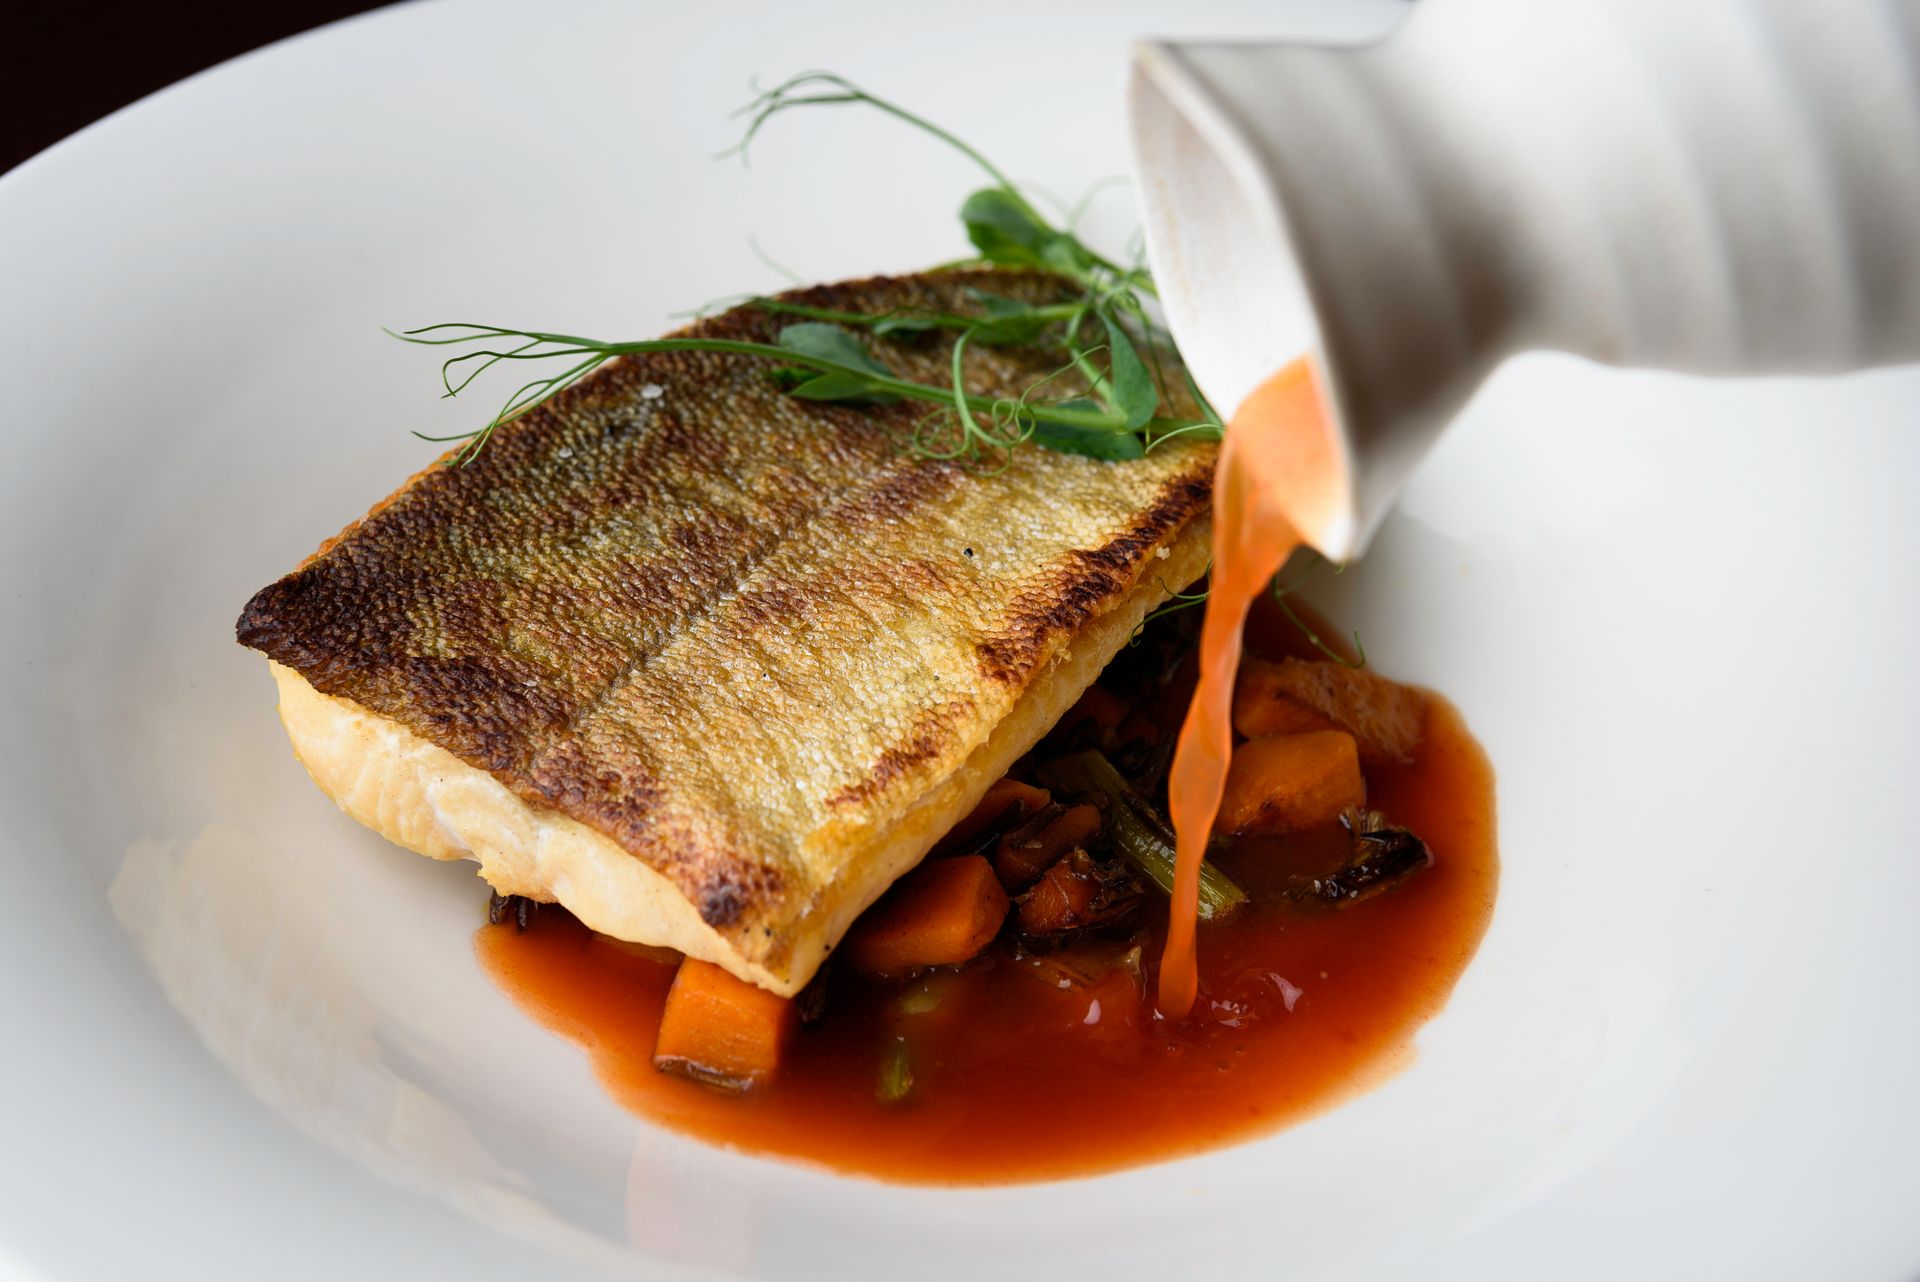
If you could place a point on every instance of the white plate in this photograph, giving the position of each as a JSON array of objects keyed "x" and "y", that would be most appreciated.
[{"x": 245, "y": 1039}]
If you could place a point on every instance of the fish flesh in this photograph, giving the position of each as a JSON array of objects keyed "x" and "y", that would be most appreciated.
[{"x": 711, "y": 665}]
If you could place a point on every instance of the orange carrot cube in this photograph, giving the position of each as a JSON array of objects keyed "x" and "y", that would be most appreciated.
[
  {"x": 721, "y": 1030},
  {"x": 940, "y": 914},
  {"x": 1005, "y": 801},
  {"x": 1386, "y": 719},
  {"x": 1288, "y": 782}
]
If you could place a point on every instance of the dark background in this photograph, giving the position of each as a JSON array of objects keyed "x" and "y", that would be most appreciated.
[{"x": 66, "y": 63}]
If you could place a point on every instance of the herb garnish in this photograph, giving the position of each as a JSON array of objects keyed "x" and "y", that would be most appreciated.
[
  {"x": 821, "y": 357},
  {"x": 1281, "y": 591}
]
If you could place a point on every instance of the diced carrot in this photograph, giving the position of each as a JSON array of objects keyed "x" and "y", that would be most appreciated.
[
  {"x": 1386, "y": 719},
  {"x": 940, "y": 914},
  {"x": 721, "y": 1030},
  {"x": 1059, "y": 901},
  {"x": 1075, "y": 893},
  {"x": 1005, "y": 801},
  {"x": 1261, "y": 705},
  {"x": 1285, "y": 782},
  {"x": 1029, "y": 850}
]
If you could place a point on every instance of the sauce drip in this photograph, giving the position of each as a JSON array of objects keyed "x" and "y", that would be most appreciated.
[{"x": 1277, "y": 472}]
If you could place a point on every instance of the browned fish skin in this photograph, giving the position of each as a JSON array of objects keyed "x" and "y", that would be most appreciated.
[{"x": 701, "y": 616}]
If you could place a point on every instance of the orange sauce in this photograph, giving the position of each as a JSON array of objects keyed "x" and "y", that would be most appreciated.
[
  {"x": 1016, "y": 1078},
  {"x": 1277, "y": 473},
  {"x": 1027, "y": 1068}
]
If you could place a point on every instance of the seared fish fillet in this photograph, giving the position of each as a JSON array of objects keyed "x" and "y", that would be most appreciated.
[{"x": 710, "y": 665}]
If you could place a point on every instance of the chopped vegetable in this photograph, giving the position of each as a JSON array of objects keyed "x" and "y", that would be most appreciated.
[
  {"x": 1288, "y": 782},
  {"x": 940, "y": 914},
  {"x": 1383, "y": 857},
  {"x": 1033, "y": 847},
  {"x": 517, "y": 907},
  {"x": 896, "y": 1074},
  {"x": 1386, "y": 719},
  {"x": 1062, "y": 900},
  {"x": 1149, "y": 847},
  {"x": 1261, "y": 706},
  {"x": 720, "y": 1030},
  {"x": 1005, "y": 801},
  {"x": 1077, "y": 893},
  {"x": 1138, "y": 832},
  {"x": 922, "y": 999}
]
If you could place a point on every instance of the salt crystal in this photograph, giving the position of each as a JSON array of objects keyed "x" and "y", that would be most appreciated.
[{"x": 652, "y": 392}]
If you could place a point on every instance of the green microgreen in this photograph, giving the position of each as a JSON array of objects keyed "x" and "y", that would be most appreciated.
[
  {"x": 1133, "y": 390},
  {"x": 1282, "y": 591},
  {"x": 854, "y": 372},
  {"x": 1118, "y": 415},
  {"x": 1176, "y": 602},
  {"x": 864, "y": 378},
  {"x": 773, "y": 264}
]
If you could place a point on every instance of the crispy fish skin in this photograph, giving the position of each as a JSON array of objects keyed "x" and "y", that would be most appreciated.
[{"x": 747, "y": 640}]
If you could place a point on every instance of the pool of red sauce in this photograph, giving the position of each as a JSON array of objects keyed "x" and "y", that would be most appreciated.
[{"x": 1016, "y": 1078}]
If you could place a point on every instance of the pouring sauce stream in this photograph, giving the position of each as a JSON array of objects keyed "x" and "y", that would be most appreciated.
[{"x": 1278, "y": 472}]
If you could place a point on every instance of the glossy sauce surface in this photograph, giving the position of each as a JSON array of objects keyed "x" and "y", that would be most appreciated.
[{"x": 1031, "y": 1068}]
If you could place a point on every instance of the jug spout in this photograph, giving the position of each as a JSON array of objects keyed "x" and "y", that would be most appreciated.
[
  {"x": 1722, "y": 186},
  {"x": 1278, "y": 222}
]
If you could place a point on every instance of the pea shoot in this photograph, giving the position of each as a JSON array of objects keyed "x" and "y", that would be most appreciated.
[{"x": 1100, "y": 333}]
